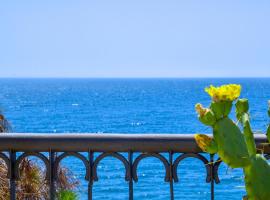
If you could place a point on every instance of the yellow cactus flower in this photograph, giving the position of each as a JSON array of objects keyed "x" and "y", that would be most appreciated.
[{"x": 228, "y": 92}]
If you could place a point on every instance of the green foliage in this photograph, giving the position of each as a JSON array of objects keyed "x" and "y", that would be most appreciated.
[
  {"x": 232, "y": 147},
  {"x": 257, "y": 178},
  {"x": 235, "y": 147},
  {"x": 66, "y": 195},
  {"x": 208, "y": 118},
  {"x": 221, "y": 109},
  {"x": 241, "y": 108}
]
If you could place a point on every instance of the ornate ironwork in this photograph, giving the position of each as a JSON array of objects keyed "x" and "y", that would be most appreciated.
[
  {"x": 115, "y": 155},
  {"x": 58, "y": 159},
  {"x": 192, "y": 155},
  {"x": 16, "y": 147},
  {"x": 155, "y": 155}
]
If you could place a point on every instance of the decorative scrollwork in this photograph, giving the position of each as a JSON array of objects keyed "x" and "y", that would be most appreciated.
[
  {"x": 7, "y": 162},
  {"x": 191, "y": 155},
  {"x": 115, "y": 155},
  {"x": 73, "y": 154},
  {"x": 146, "y": 155},
  {"x": 35, "y": 154}
]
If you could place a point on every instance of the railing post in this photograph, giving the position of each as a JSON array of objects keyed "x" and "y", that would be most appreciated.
[
  {"x": 52, "y": 178},
  {"x": 212, "y": 176},
  {"x": 12, "y": 179},
  {"x": 171, "y": 175},
  {"x": 90, "y": 183},
  {"x": 130, "y": 159}
]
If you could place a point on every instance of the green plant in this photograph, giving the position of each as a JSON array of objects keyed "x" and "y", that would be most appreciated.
[
  {"x": 32, "y": 184},
  {"x": 235, "y": 147},
  {"x": 66, "y": 195}
]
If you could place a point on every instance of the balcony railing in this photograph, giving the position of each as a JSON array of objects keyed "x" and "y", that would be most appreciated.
[{"x": 15, "y": 147}]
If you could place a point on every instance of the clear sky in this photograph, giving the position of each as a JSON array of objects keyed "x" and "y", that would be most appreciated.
[{"x": 135, "y": 38}]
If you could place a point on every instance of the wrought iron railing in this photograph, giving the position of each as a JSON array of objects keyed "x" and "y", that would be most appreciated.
[{"x": 15, "y": 147}]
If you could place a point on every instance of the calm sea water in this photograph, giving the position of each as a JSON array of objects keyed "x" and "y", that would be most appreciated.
[{"x": 129, "y": 106}]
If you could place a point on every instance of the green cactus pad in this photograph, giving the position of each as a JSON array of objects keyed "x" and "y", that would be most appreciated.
[
  {"x": 257, "y": 178},
  {"x": 221, "y": 109},
  {"x": 232, "y": 147}
]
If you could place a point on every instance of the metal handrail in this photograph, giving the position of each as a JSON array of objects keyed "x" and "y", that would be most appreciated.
[{"x": 183, "y": 143}]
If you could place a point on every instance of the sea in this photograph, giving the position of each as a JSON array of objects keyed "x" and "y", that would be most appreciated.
[{"x": 122, "y": 105}]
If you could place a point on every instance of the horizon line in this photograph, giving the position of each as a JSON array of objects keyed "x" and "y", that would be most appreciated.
[{"x": 191, "y": 77}]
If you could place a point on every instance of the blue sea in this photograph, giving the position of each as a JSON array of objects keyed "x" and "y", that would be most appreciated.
[{"x": 130, "y": 106}]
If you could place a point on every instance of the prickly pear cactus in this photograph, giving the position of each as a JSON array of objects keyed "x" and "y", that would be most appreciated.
[{"x": 234, "y": 145}]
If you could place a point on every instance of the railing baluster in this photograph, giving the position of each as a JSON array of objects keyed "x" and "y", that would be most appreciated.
[
  {"x": 52, "y": 178},
  {"x": 212, "y": 176},
  {"x": 171, "y": 175},
  {"x": 12, "y": 180},
  {"x": 90, "y": 183},
  {"x": 130, "y": 159}
]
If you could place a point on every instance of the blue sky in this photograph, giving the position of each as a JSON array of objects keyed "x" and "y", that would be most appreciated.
[{"x": 140, "y": 38}]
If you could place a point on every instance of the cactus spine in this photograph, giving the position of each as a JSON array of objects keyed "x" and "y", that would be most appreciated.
[{"x": 235, "y": 147}]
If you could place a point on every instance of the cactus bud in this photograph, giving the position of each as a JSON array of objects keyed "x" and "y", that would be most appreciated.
[
  {"x": 242, "y": 106},
  {"x": 206, "y": 116}
]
